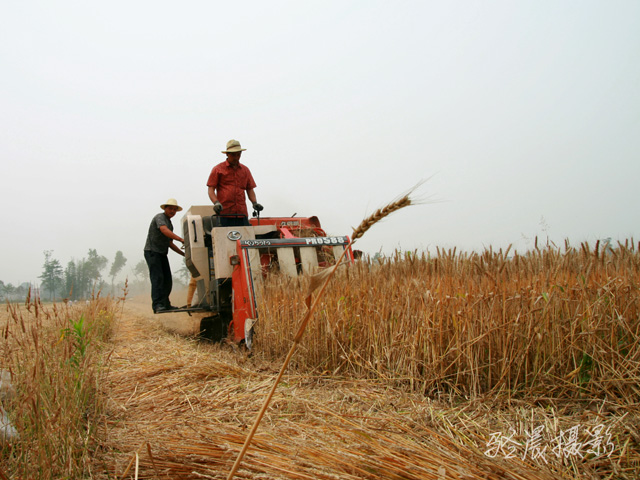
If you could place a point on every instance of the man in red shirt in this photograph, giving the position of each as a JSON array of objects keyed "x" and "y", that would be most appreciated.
[{"x": 228, "y": 183}]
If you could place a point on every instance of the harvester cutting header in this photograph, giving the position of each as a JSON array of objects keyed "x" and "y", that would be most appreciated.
[{"x": 228, "y": 263}]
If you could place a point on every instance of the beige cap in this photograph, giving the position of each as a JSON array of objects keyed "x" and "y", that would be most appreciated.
[
  {"x": 171, "y": 202},
  {"x": 233, "y": 146}
]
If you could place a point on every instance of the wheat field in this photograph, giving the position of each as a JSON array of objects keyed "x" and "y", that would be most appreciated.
[
  {"x": 440, "y": 366},
  {"x": 550, "y": 323}
]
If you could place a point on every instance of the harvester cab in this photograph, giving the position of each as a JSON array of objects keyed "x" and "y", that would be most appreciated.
[{"x": 228, "y": 264}]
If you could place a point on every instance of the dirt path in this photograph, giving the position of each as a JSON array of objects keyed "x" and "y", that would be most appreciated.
[{"x": 185, "y": 407}]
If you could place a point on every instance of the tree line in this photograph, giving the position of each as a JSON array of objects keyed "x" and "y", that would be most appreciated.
[
  {"x": 80, "y": 278},
  {"x": 75, "y": 281},
  {"x": 9, "y": 290}
]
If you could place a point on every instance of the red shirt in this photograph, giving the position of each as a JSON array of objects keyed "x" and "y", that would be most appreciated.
[{"x": 230, "y": 184}]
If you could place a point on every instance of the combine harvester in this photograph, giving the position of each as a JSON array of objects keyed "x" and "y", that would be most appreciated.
[{"x": 229, "y": 262}]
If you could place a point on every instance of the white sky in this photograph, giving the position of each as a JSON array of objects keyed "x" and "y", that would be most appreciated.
[{"x": 524, "y": 115}]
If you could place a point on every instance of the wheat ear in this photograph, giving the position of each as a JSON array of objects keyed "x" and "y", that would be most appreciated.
[{"x": 378, "y": 215}]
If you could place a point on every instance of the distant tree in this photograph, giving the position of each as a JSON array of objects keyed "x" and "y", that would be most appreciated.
[
  {"x": 184, "y": 274},
  {"x": 82, "y": 275},
  {"x": 78, "y": 279},
  {"x": 22, "y": 289},
  {"x": 141, "y": 270},
  {"x": 118, "y": 262},
  {"x": 95, "y": 264},
  {"x": 71, "y": 280},
  {"x": 9, "y": 290},
  {"x": 52, "y": 274}
]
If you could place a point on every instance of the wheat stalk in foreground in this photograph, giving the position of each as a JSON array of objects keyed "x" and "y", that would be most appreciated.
[{"x": 358, "y": 232}]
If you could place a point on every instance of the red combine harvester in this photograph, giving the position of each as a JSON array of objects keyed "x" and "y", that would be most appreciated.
[{"x": 229, "y": 262}]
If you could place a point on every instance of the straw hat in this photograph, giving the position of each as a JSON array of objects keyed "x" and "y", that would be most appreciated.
[
  {"x": 233, "y": 146},
  {"x": 171, "y": 202}
]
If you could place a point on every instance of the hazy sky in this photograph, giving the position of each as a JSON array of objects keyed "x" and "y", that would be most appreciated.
[{"x": 524, "y": 115}]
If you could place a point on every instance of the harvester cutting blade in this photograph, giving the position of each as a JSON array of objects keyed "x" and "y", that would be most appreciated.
[{"x": 248, "y": 332}]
